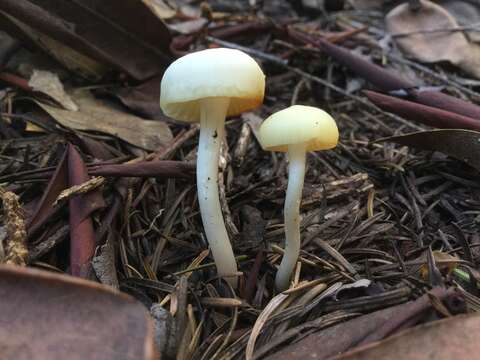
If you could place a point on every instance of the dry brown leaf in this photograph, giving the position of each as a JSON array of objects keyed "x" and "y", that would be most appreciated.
[
  {"x": 453, "y": 338},
  {"x": 467, "y": 14},
  {"x": 125, "y": 34},
  {"x": 426, "y": 35},
  {"x": 52, "y": 316},
  {"x": 98, "y": 115},
  {"x": 160, "y": 9},
  {"x": 48, "y": 83},
  {"x": 68, "y": 57},
  {"x": 463, "y": 145}
]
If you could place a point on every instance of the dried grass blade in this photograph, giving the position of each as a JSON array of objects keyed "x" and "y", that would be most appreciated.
[{"x": 261, "y": 320}]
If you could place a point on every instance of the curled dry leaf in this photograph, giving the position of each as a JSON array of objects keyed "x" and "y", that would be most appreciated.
[
  {"x": 52, "y": 316},
  {"x": 427, "y": 35},
  {"x": 453, "y": 338},
  {"x": 460, "y": 144},
  {"x": 98, "y": 115}
]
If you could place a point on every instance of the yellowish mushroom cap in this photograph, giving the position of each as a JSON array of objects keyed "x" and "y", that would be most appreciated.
[
  {"x": 211, "y": 73},
  {"x": 299, "y": 124}
]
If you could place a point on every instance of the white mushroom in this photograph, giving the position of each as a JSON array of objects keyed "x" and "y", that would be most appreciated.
[
  {"x": 206, "y": 87},
  {"x": 296, "y": 130}
]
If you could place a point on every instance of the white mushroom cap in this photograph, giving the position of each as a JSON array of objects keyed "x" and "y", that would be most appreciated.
[
  {"x": 299, "y": 124},
  {"x": 211, "y": 73}
]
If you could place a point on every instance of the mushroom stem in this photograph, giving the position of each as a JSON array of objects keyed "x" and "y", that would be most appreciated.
[
  {"x": 296, "y": 176},
  {"x": 212, "y": 128}
]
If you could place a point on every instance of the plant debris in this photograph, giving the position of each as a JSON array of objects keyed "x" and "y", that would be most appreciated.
[{"x": 98, "y": 183}]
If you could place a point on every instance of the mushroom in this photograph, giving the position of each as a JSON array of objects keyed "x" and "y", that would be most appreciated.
[
  {"x": 206, "y": 87},
  {"x": 296, "y": 130}
]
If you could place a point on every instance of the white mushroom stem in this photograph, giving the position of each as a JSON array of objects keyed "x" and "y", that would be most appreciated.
[
  {"x": 296, "y": 175},
  {"x": 212, "y": 128}
]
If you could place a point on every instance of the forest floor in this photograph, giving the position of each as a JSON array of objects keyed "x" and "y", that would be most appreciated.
[{"x": 390, "y": 228}]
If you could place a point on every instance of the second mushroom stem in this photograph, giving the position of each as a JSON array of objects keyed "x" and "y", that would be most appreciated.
[
  {"x": 212, "y": 128},
  {"x": 296, "y": 176}
]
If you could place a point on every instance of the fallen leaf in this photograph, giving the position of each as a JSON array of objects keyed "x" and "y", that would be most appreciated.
[
  {"x": 73, "y": 60},
  {"x": 425, "y": 34},
  {"x": 160, "y": 9},
  {"x": 161, "y": 168},
  {"x": 424, "y": 114},
  {"x": 98, "y": 115},
  {"x": 49, "y": 84},
  {"x": 453, "y": 338},
  {"x": 52, "y": 316},
  {"x": 143, "y": 99},
  {"x": 467, "y": 14},
  {"x": 81, "y": 207},
  {"x": 382, "y": 78},
  {"x": 387, "y": 80},
  {"x": 44, "y": 208},
  {"x": 364, "y": 329},
  {"x": 460, "y": 144},
  {"x": 130, "y": 38}
]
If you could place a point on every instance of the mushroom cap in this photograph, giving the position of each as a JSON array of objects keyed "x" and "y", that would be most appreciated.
[
  {"x": 299, "y": 124},
  {"x": 208, "y": 73}
]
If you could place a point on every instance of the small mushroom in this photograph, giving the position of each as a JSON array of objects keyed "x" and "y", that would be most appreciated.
[
  {"x": 296, "y": 130},
  {"x": 206, "y": 87}
]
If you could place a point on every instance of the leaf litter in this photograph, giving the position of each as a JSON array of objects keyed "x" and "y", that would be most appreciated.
[{"x": 389, "y": 228}]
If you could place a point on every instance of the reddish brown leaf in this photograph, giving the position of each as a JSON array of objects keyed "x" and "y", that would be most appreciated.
[
  {"x": 82, "y": 234},
  {"x": 52, "y": 316},
  {"x": 446, "y": 102},
  {"x": 45, "y": 208},
  {"x": 453, "y": 338},
  {"x": 460, "y": 144},
  {"x": 424, "y": 114},
  {"x": 363, "y": 330},
  {"x": 378, "y": 76},
  {"x": 386, "y": 80},
  {"x": 164, "y": 168}
]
